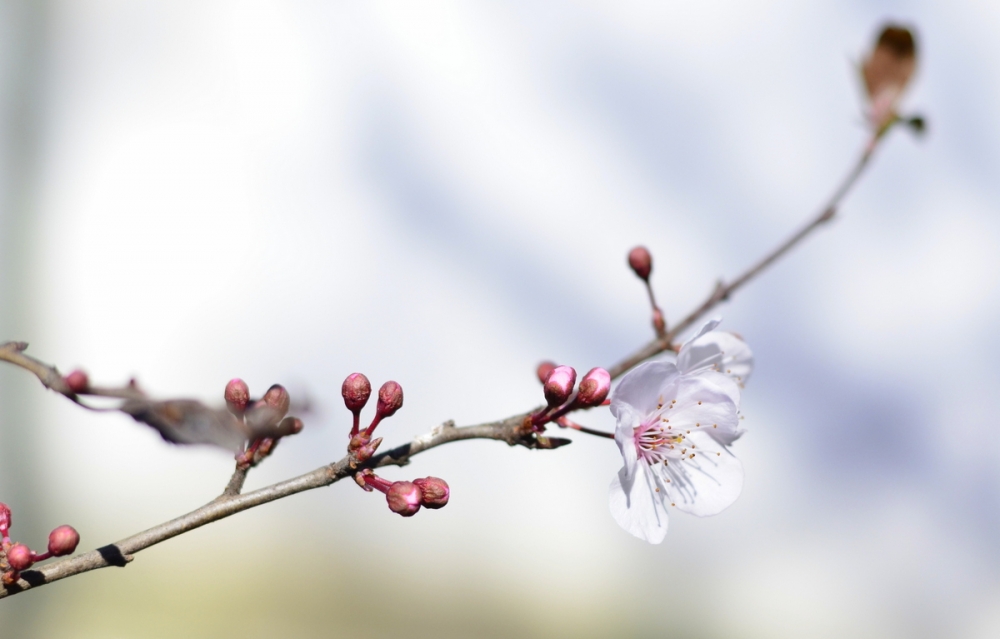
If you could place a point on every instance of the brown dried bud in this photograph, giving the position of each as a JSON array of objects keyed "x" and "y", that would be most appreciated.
[
  {"x": 237, "y": 396},
  {"x": 20, "y": 557},
  {"x": 77, "y": 381},
  {"x": 404, "y": 498},
  {"x": 356, "y": 391},
  {"x": 641, "y": 262},
  {"x": 544, "y": 369},
  {"x": 887, "y": 71},
  {"x": 434, "y": 492},
  {"x": 390, "y": 399},
  {"x": 63, "y": 541}
]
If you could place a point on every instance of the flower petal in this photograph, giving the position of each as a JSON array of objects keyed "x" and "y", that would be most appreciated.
[
  {"x": 705, "y": 483},
  {"x": 642, "y": 387},
  {"x": 704, "y": 407},
  {"x": 637, "y": 506},
  {"x": 625, "y": 438},
  {"x": 717, "y": 350}
]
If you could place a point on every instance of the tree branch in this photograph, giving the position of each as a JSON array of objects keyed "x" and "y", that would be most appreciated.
[{"x": 515, "y": 430}]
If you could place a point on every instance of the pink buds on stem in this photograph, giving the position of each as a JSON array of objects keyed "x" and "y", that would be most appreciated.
[
  {"x": 63, "y": 541},
  {"x": 434, "y": 492},
  {"x": 77, "y": 381},
  {"x": 594, "y": 388},
  {"x": 356, "y": 391},
  {"x": 559, "y": 385},
  {"x": 544, "y": 369},
  {"x": 20, "y": 557},
  {"x": 237, "y": 396},
  {"x": 404, "y": 498},
  {"x": 641, "y": 262}
]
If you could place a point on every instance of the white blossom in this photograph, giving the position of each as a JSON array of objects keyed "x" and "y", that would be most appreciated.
[{"x": 675, "y": 424}]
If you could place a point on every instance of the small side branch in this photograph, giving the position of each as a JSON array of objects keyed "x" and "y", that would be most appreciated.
[{"x": 723, "y": 291}]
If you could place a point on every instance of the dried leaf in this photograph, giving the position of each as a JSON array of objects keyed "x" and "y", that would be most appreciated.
[{"x": 183, "y": 421}]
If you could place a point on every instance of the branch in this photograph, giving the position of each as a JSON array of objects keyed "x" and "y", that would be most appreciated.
[
  {"x": 510, "y": 430},
  {"x": 515, "y": 430},
  {"x": 722, "y": 291}
]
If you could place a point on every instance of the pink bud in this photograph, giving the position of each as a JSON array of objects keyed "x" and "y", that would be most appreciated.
[
  {"x": 356, "y": 391},
  {"x": 559, "y": 385},
  {"x": 594, "y": 388},
  {"x": 390, "y": 399},
  {"x": 20, "y": 557},
  {"x": 278, "y": 399},
  {"x": 237, "y": 396},
  {"x": 641, "y": 262},
  {"x": 4, "y": 516},
  {"x": 544, "y": 369},
  {"x": 434, "y": 491},
  {"x": 63, "y": 541},
  {"x": 77, "y": 381},
  {"x": 404, "y": 498}
]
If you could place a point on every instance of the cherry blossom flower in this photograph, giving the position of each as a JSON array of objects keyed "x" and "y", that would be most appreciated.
[{"x": 674, "y": 428}]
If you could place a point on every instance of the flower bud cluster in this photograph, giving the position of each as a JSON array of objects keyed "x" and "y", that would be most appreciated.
[
  {"x": 558, "y": 383},
  {"x": 406, "y": 497},
  {"x": 16, "y": 557},
  {"x": 265, "y": 419},
  {"x": 356, "y": 391}
]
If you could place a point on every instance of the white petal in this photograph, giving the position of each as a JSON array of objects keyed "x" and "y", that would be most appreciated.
[
  {"x": 720, "y": 351},
  {"x": 625, "y": 438},
  {"x": 637, "y": 506},
  {"x": 705, "y": 484},
  {"x": 642, "y": 387},
  {"x": 704, "y": 407},
  {"x": 705, "y": 328}
]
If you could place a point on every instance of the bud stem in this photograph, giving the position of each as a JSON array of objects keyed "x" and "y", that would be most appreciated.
[{"x": 378, "y": 483}]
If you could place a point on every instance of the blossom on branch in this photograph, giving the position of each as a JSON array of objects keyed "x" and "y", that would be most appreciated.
[{"x": 675, "y": 425}]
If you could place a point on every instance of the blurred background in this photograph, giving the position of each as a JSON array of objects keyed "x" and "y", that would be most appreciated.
[{"x": 444, "y": 194}]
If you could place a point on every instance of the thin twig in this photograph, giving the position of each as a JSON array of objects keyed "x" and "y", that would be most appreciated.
[{"x": 723, "y": 291}]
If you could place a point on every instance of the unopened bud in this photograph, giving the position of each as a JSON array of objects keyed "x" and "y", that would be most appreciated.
[
  {"x": 277, "y": 398},
  {"x": 886, "y": 73},
  {"x": 559, "y": 385},
  {"x": 20, "y": 557},
  {"x": 404, "y": 498},
  {"x": 434, "y": 492},
  {"x": 77, "y": 381},
  {"x": 289, "y": 426},
  {"x": 237, "y": 396},
  {"x": 641, "y": 262},
  {"x": 63, "y": 541},
  {"x": 356, "y": 391},
  {"x": 594, "y": 388},
  {"x": 544, "y": 369},
  {"x": 390, "y": 399}
]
